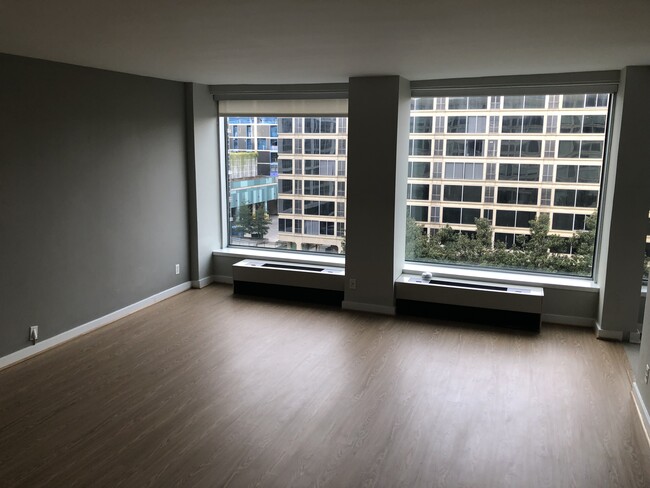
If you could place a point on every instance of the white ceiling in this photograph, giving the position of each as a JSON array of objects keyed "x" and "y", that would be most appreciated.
[{"x": 302, "y": 41}]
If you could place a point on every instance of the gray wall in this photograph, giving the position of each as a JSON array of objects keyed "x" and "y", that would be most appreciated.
[{"x": 93, "y": 199}]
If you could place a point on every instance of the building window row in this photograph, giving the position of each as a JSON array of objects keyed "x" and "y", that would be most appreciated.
[
  {"x": 508, "y": 148},
  {"x": 564, "y": 173},
  {"x": 311, "y": 227},
  {"x": 510, "y": 102},
  {"x": 312, "y": 125},
  {"x": 505, "y": 195}
]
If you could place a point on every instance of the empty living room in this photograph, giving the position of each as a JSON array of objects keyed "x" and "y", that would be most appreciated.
[{"x": 324, "y": 244}]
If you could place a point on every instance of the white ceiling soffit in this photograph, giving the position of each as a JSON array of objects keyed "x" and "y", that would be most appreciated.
[{"x": 310, "y": 41}]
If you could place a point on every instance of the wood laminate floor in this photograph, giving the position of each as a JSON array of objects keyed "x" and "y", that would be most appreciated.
[{"x": 210, "y": 390}]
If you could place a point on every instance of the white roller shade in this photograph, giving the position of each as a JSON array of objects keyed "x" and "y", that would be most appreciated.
[
  {"x": 283, "y": 107},
  {"x": 290, "y": 100},
  {"x": 545, "y": 84}
]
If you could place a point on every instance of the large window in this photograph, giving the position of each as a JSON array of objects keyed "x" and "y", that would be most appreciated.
[
  {"x": 535, "y": 183},
  {"x": 295, "y": 201}
]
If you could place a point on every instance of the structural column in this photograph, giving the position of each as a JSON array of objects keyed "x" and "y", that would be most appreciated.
[
  {"x": 378, "y": 135},
  {"x": 203, "y": 181},
  {"x": 625, "y": 208}
]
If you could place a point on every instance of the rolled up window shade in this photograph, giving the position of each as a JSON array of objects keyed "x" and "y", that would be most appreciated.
[
  {"x": 289, "y": 100},
  {"x": 544, "y": 84},
  {"x": 283, "y": 107}
]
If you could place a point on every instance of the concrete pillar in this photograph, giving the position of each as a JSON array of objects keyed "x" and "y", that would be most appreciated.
[
  {"x": 203, "y": 181},
  {"x": 625, "y": 208},
  {"x": 376, "y": 180}
]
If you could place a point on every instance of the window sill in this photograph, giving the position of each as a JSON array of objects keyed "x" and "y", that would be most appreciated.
[
  {"x": 524, "y": 279},
  {"x": 318, "y": 259}
]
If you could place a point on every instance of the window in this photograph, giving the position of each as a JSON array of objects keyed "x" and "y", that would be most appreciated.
[
  {"x": 437, "y": 170},
  {"x": 518, "y": 172},
  {"x": 525, "y": 124},
  {"x": 420, "y": 147},
  {"x": 582, "y": 124},
  {"x": 417, "y": 192},
  {"x": 514, "y": 218},
  {"x": 467, "y": 103},
  {"x": 580, "y": 149},
  {"x": 440, "y": 125},
  {"x": 320, "y": 146},
  {"x": 490, "y": 171},
  {"x": 285, "y": 206},
  {"x": 436, "y": 193},
  {"x": 422, "y": 104},
  {"x": 520, "y": 196},
  {"x": 494, "y": 123},
  {"x": 265, "y": 191},
  {"x": 470, "y": 125},
  {"x": 420, "y": 125},
  {"x": 319, "y": 187},
  {"x": 319, "y": 167},
  {"x": 465, "y": 147},
  {"x": 456, "y": 215},
  {"x": 435, "y": 214},
  {"x": 316, "y": 207},
  {"x": 576, "y": 198},
  {"x": 570, "y": 222},
  {"x": 460, "y": 193},
  {"x": 320, "y": 125},
  {"x": 464, "y": 171},
  {"x": 521, "y": 149},
  {"x": 571, "y": 173},
  {"x": 438, "y": 147},
  {"x": 527, "y": 101},
  {"x": 285, "y": 125},
  {"x": 544, "y": 151},
  {"x": 419, "y": 170},
  {"x": 489, "y": 194},
  {"x": 285, "y": 225},
  {"x": 417, "y": 213}
]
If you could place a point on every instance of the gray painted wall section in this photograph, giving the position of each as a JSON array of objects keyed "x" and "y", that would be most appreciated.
[
  {"x": 626, "y": 205},
  {"x": 202, "y": 161},
  {"x": 377, "y": 114},
  {"x": 93, "y": 201}
]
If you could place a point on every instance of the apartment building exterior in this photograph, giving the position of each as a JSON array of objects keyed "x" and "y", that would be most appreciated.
[{"x": 507, "y": 159}]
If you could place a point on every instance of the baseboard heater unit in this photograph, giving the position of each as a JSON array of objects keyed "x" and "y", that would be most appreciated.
[
  {"x": 304, "y": 282},
  {"x": 496, "y": 304}
]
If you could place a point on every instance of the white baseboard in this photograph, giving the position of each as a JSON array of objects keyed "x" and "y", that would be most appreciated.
[
  {"x": 222, "y": 279},
  {"x": 203, "y": 282},
  {"x": 568, "y": 320},
  {"x": 367, "y": 307},
  {"x": 612, "y": 335},
  {"x": 642, "y": 410},
  {"x": 46, "y": 344}
]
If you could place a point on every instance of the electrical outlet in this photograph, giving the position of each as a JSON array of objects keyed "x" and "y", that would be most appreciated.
[
  {"x": 353, "y": 284},
  {"x": 647, "y": 373},
  {"x": 178, "y": 269},
  {"x": 33, "y": 334}
]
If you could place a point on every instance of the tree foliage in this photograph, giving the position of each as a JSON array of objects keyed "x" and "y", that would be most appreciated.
[
  {"x": 540, "y": 251},
  {"x": 253, "y": 222}
]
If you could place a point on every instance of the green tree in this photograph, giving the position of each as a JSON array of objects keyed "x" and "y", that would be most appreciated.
[
  {"x": 541, "y": 250},
  {"x": 260, "y": 223},
  {"x": 245, "y": 218}
]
